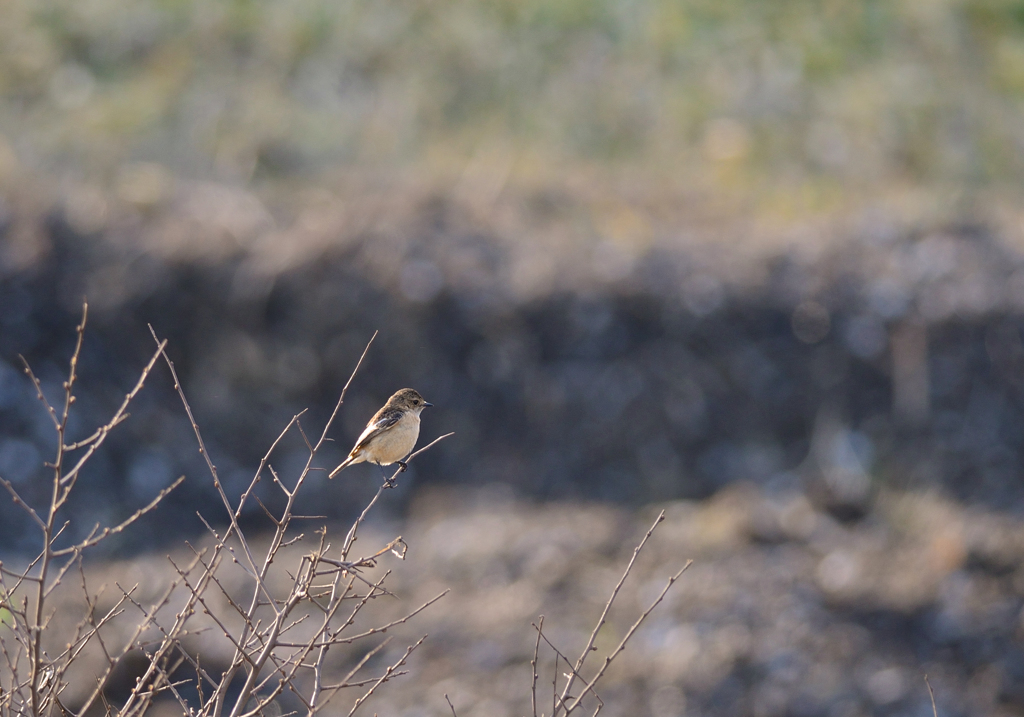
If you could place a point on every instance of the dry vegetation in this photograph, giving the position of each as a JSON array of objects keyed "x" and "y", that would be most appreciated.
[{"x": 238, "y": 625}]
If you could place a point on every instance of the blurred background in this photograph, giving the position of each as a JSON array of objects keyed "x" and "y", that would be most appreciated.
[{"x": 760, "y": 262}]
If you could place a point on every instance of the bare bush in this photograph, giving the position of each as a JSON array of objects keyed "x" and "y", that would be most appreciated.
[
  {"x": 279, "y": 629},
  {"x": 246, "y": 624}
]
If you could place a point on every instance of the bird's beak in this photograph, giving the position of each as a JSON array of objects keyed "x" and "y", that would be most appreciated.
[{"x": 427, "y": 405}]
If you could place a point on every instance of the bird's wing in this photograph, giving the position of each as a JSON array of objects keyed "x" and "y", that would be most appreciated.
[{"x": 381, "y": 422}]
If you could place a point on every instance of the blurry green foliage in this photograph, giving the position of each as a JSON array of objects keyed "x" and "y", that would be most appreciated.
[{"x": 855, "y": 92}]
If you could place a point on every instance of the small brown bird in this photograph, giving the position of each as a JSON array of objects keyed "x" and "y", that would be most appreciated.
[{"x": 391, "y": 434}]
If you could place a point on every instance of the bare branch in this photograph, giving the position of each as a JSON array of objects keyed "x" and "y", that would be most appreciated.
[
  {"x": 384, "y": 628},
  {"x": 350, "y": 538},
  {"x": 608, "y": 605},
  {"x": 344, "y": 390},
  {"x": 931, "y": 694},
  {"x": 539, "y": 625},
  {"x": 625, "y": 639},
  {"x": 568, "y": 666},
  {"x": 331, "y": 689},
  {"x": 107, "y": 532},
  {"x": 19, "y": 501},
  {"x": 388, "y": 674},
  {"x": 39, "y": 393},
  {"x": 119, "y": 416}
]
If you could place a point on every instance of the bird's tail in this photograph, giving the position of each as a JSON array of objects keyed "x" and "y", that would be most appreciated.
[{"x": 345, "y": 464}]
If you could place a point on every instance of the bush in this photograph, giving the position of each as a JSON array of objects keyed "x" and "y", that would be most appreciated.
[{"x": 275, "y": 613}]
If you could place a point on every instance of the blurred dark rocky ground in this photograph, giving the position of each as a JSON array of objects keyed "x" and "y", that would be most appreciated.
[{"x": 883, "y": 357}]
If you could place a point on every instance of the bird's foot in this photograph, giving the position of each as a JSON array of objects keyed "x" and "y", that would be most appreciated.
[{"x": 402, "y": 466}]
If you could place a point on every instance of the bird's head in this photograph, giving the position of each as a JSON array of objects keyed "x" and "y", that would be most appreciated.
[{"x": 409, "y": 399}]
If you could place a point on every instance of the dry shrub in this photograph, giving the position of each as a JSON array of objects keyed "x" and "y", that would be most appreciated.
[{"x": 247, "y": 623}]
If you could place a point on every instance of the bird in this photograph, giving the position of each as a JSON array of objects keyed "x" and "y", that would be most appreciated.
[{"x": 391, "y": 434}]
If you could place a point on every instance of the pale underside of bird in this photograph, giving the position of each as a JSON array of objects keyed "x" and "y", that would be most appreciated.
[{"x": 391, "y": 434}]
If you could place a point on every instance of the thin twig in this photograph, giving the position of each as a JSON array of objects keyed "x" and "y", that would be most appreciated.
[
  {"x": 119, "y": 416},
  {"x": 350, "y": 538},
  {"x": 625, "y": 639},
  {"x": 359, "y": 665},
  {"x": 608, "y": 605},
  {"x": 559, "y": 655},
  {"x": 18, "y": 501},
  {"x": 539, "y": 625},
  {"x": 107, "y": 532},
  {"x": 209, "y": 462},
  {"x": 931, "y": 694},
  {"x": 388, "y": 674},
  {"x": 384, "y": 628}
]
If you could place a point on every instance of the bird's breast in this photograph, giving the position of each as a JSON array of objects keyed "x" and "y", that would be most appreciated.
[{"x": 396, "y": 442}]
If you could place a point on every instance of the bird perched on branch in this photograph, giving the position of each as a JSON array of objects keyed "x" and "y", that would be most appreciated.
[{"x": 391, "y": 434}]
